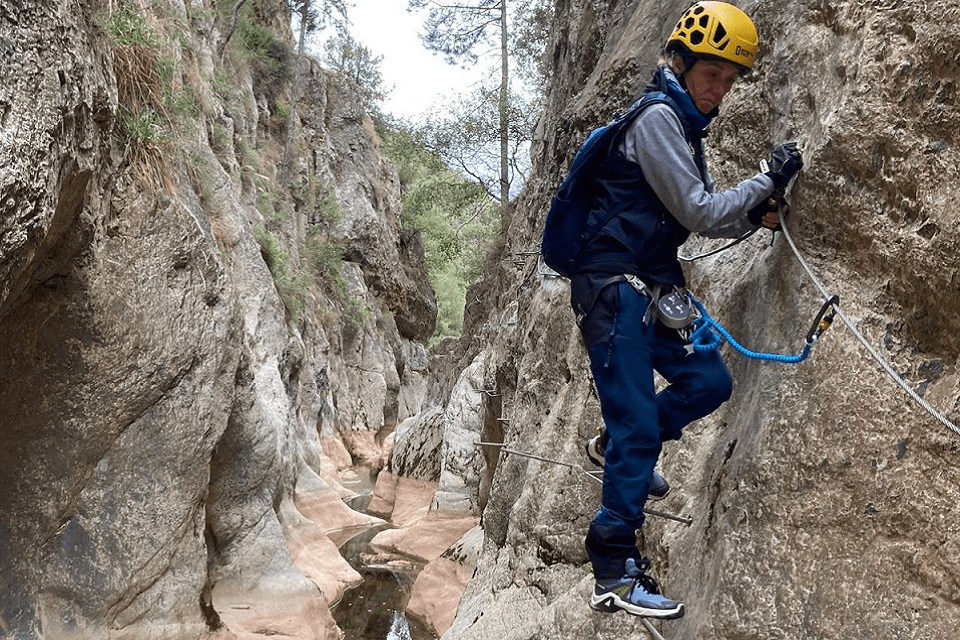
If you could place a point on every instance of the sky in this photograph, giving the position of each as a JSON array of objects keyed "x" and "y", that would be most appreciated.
[{"x": 418, "y": 79}]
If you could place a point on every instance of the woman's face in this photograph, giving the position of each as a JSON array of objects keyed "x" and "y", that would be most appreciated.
[{"x": 708, "y": 81}]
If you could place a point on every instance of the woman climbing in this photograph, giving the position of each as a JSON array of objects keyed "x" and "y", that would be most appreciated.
[{"x": 652, "y": 190}]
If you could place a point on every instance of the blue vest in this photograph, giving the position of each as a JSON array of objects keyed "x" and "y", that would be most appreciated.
[{"x": 643, "y": 236}]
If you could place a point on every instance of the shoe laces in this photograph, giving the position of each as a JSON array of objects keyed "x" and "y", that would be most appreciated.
[{"x": 637, "y": 570}]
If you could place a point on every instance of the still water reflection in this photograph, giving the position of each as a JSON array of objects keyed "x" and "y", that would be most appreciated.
[{"x": 376, "y": 608}]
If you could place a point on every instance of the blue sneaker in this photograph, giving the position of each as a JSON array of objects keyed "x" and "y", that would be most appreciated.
[
  {"x": 659, "y": 487},
  {"x": 636, "y": 593}
]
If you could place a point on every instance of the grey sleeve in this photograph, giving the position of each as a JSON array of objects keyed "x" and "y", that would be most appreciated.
[{"x": 655, "y": 141}]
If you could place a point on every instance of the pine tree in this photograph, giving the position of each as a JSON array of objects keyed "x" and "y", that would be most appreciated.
[
  {"x": 455, "y": 30},
  {"x": 349, "y": 58}
]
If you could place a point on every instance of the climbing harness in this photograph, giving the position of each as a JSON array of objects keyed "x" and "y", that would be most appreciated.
[
  {"x": 708, "y": 334},
  {"x": 523, "y": 454}
]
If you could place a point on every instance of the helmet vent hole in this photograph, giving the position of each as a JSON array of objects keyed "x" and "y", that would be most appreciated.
[
  {"x": 705, "y": 21},
  {"x": 719, "y": 34},
  {"x": 688, "y": 24},
  {"x": 696, "y": 37}
]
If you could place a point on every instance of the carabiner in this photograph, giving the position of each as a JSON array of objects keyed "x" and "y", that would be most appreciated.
[{"x": 824, "y": 319}]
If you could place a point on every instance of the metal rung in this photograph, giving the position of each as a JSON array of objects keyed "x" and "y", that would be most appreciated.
[
  {"x": 523, "y": 454},
  {"x": 651, "y": 629}
]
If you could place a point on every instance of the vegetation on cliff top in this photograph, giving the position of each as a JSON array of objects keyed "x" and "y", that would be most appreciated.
[{"x": 163, "y": 101}]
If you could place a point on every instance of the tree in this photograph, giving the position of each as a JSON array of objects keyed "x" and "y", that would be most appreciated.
[
  {"x": 456, "y": 218},
  {"x": 319, "y": 13},
  {"x": 454, "y": 30},
  {"x": 466, "y": 135},
  {"x": 531, "y": 33},
  {"x": 234, "y": 20},
  {"x": 351, "y": 59},
  {"x": 492, "y": 123}
]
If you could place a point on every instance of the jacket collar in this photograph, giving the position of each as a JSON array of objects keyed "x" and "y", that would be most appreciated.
[{"x": 665, "y": 80}]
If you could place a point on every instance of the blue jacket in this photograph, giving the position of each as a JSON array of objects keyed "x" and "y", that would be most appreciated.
[{"x": 643, "y": 237}]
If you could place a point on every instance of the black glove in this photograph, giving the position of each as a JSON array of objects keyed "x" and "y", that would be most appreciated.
[
  {"x": 785, "y": 162},
  {"x": 767, "y": 205}
]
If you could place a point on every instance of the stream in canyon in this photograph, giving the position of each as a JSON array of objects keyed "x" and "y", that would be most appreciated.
[{"x": 376, "y": 608}]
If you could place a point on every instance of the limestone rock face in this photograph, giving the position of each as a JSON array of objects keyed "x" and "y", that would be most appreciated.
[
  {"x": 823, "y": 497},
  {"x": 180, "y": 413},
  {"x": 461, "y": 469},
  {"x": 174, "y": 426}
]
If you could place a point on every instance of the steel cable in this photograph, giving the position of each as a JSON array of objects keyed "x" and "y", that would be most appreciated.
[{"x": 870, "y": 349}]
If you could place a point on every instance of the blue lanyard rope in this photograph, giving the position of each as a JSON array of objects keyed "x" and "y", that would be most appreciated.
[{"x": 708, "y": 335}]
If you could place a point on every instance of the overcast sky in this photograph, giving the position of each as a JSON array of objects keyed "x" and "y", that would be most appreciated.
[{"x": 418, "y": 78}]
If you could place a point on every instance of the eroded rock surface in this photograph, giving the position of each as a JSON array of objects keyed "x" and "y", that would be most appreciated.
[
  {"x": 177, "y": 432},
  {"x": 820, "y": 493},
  {"x": 178, "y": 442}
]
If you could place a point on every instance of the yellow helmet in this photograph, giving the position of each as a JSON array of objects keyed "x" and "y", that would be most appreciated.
[{"x": 718, "y": 30}]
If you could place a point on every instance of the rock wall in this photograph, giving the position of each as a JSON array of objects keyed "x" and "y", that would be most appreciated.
[
  {"x": 823, "y": 498},
  {"x": 177, "y": 436}
]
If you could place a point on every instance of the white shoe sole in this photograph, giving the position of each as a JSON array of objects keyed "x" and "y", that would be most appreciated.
[{"x": 611, "y": 602}]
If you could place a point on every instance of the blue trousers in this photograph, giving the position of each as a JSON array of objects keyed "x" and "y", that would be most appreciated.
[{"x": 624, "y": 353}]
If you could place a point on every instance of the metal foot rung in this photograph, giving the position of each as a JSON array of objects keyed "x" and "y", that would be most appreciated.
[
  {"x": 523, "y": 454},
  {"x": 651, "y": 629}
]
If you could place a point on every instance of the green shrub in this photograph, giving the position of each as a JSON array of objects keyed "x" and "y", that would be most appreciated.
[
  {"x": 146, "y": 72},
  {"x": 270, "y": 59},
  {"x": 281, "y": 112},
  {"x": 292, "y": 283},
  {"x": 126, "y": 27},
  {"x": 325, "y": 259},
  {"x": 451, "y": 298},
  {"x": 317, "y": 201},
  {"x": 140, "y": 133},
  {"x": 329, "y": 207},
  {"x": 456, "y": 218}
]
